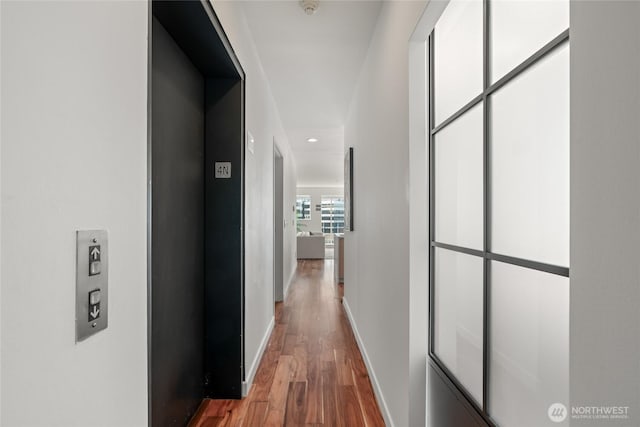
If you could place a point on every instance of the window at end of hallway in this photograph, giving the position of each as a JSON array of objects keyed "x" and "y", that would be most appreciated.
[{"x": 303, "y": 207}]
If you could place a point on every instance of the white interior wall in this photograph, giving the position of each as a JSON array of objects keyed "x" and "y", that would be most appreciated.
[
  {"x": 74, "y": 155},
  {"x": 378, "y": 129},
  {"x": 605, "y": 207},
  {"x": 316, "y": 193},
  {"x": 263, "y": 121},
  {"x": 1, "y": 133},
  {"x": 419, "y": 234},
  {"x": 419, "y": 213}
]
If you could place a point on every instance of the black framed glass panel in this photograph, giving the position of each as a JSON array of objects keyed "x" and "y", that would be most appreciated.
[{"x": 499, "y": 206}]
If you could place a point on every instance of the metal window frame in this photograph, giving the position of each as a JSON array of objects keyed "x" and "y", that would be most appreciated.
[
  {"x": 302, "y": 206},
  {"x": 486, "y": 254},
  {"x": 334, "y": 219}
]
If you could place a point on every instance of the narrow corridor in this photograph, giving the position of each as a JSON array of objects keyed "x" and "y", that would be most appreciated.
[{"x": 312, "y": 372}]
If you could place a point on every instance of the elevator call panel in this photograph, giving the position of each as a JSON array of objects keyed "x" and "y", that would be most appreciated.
[{"x": 92, "y": 282}]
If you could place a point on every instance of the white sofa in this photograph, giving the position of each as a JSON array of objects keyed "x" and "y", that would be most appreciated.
[{"x": 310, "y": 245}]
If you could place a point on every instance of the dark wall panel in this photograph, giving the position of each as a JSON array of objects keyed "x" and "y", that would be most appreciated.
[
  {"x": 190, "y": 22},
  {"x": 177, "y": 245},
  {"x": 446, "y": 406},
  {"x": 224, "y": 240}
]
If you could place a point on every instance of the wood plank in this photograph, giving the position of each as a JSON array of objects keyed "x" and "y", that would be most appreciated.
[
  {"x": 343, "y": 365},
  {"x": 327, "y": 350},
  {"x": 275, "y": 418},
  {"x": 259, "y": 392},
  {"x": 314, "y": 345},
  {"x": 315, "y": 410},
  {"x": 237, "y": 414},
  {"x": 350, "y": 412},
  {"x": 368, "y": 403},
  {"x": 213, "y": 422},
  {"x": 294, "y": 317},
  {"x": 290, "y": 341},
  {"x": 280, "y": 385},
  {"x": 199, "y": 416},
  {"x": 219, "y": 413},
  {"x": 296, "y": 404},
  {"x": 256, "y": 413},
  {"x": 329, "y": 394},
  {"x": 277, "y": 338},
  {"x": 264, "y": 376},
  {"x": 267, "y": 368},
  {"x": 300, "y": 363},
  {"x": 220, "y": 407},
  {"x": 312, "y": 372},
  {"x": 283, "y": 315}
]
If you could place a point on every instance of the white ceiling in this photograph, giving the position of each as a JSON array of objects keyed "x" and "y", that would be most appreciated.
[{"x": 312, "y": 64}]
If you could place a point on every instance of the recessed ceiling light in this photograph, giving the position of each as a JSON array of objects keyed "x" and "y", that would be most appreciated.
[{"x": 312, "y": 139}]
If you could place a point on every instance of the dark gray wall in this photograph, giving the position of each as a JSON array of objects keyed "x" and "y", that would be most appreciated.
[
  {"x": 196, "y": 238},
  {"x": 177, "y": 233},
  {"x": 447, "y": 407},
  {"x": 224, "y": 370}
]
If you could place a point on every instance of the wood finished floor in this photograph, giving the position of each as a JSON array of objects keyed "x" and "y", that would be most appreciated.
[{"x": 312, "y": 372}]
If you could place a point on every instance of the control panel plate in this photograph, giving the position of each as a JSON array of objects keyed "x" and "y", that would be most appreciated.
[{"x": 92, "y": 282}]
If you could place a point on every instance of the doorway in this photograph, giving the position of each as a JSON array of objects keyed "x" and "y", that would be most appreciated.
[
  {"x": 195, "y": 212},
  {"x": 278, "y": 224}
]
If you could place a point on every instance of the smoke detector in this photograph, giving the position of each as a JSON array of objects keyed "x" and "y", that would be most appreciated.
[{"x": 309, "y": 6}]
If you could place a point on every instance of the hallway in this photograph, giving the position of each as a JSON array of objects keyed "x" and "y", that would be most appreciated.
[{"x": 312, "y": 372}]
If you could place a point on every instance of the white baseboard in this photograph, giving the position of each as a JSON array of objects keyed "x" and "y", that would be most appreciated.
[
  {"x": 246, "y": 384},
  {"x": 372, "y": 373},
  {"x": 288, "y": 285}
]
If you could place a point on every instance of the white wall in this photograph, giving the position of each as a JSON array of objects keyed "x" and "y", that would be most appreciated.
[
  {"x": 316, "y": 193},
  {"x": 605, "y": 207},
  {"x": 377, "y": 252},
  {"x": 418, "y": 235},
  {"x": 263, "y": 121},
  {"x": 74, "y": 155},
  {"x": 1, "y": 133}
]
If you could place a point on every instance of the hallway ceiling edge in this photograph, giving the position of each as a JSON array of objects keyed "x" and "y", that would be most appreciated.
[{"x": 312, "y": 63}]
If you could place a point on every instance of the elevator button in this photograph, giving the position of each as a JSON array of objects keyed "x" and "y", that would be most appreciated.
[
  {"x": 94, "y": 297},
  {"x": 94, "y": 268},
  {"x": 94, "y": 260}
]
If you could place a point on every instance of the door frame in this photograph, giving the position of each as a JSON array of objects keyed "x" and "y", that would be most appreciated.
[
  {"x": 278, "y": 224},
  {"x": 205, "y": 40}
]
